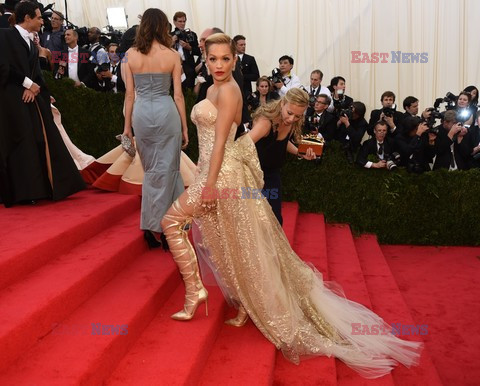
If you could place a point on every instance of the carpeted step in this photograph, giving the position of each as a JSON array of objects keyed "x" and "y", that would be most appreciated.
[
  {"x": 49, "y": 294},
  {"x": 344, "y": 268},
  {"x": 289, "y": 214},
  {"x": 34, "y": 234},
  {"x": 311, "y": 245},
  {"x": 388, "y": 302},
  {"x": 83, "y": 350},
  {"x": 172, "y": 352}
]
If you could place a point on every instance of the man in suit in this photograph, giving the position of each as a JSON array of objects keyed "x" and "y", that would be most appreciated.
[
  {"x": 388, "y": 114},
  {"x": 185, "y": 42},
  {"x": 451, "y": 145},
  {"x": 9, "y": 8},
  {"x": 380, "y": 147},
  {"x": 73, "y": 63},
  {"x": 248, "y": 65},
  {"x": 320, "y": 120},
  {"x": 115, "y": 69},
  {"x": 35, "y": 163}
]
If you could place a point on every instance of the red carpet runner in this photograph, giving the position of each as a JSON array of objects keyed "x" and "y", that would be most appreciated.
[{"x": 83, "y": 301}]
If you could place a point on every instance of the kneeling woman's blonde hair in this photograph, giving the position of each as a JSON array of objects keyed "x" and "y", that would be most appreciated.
[{"x": 272, "y": 110}]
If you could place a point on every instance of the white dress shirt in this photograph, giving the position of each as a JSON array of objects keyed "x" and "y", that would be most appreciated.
[
  {"x": 289, "y": 81},
  {"x": 73, "y": 63},
  {"x": 27, "y": 82}
]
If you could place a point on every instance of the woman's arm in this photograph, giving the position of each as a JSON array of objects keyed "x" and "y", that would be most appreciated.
[
  {"x": 129, "y": 97},
  {"x": 260, "y": 129},
  {"x": 228, "y": 99},
  {"x": 179, "y": 99}
]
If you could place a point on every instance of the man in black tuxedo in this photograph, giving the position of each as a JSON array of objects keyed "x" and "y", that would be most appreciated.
[
  {"x": 185, "y": 42},
  {"x": 388, "y": 114},
  {"x": 248, "y": 65},
  {"x": 451, "y": 145},
  {"x": 380, "y": 147},
  {"x": 320, "y": 120},
  {"x": 35, "y": 163},
  {"x": 9, "y": 8},
  {"x": 73, "y": 63},
  {"x": 115, "y": 68}
]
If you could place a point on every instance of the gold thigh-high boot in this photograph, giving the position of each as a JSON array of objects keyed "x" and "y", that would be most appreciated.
[{"x": 173, "y": 224}]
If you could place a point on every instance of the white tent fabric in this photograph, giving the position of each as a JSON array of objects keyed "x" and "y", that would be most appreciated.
[{"x": 323, "y": 33}]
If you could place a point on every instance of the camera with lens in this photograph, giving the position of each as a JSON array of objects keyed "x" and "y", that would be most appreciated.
[
  {"x": 389, "y": 111},
  {"x": 348, "y": 112},
  {"x": 312, "y": 98},
  {"x": 431, "y": 121},
  {"x": 313, "y": 122},
  {"x": 393, "y": 160},
  {"x": 253, "y": 101},
  {"x": 276, "y": 76},
  {"x": 186, "y": 35}
]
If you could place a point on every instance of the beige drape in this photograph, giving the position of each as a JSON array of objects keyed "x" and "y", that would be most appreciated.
[{"x": 323, "y": 33}]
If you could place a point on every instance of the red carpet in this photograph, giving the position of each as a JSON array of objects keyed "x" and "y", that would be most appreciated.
[{"x": 83, "y": 301}]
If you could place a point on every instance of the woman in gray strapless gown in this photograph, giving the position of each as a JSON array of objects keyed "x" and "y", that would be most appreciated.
[{"x": 159, "y": 122}]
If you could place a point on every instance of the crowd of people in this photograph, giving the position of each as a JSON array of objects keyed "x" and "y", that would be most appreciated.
[{"x": 240, "y": 238}]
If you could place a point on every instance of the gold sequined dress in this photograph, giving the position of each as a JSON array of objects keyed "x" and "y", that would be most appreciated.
[{"x": 253, "y": 263}]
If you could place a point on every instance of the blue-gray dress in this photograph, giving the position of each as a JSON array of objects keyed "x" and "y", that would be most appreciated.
[{"x": 158, "y": 136}]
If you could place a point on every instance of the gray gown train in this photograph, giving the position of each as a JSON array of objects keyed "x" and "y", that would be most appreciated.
[{"x": 158, "y": 135}]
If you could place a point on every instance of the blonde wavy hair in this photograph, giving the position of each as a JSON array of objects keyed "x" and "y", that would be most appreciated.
[{"x": 273, "y": 110}]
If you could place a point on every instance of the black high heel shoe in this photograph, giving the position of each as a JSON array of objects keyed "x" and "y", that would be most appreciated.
[{"x": 154, "y": 242}]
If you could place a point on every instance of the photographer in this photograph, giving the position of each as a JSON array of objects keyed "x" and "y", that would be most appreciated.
[
  {"x": 416, "y": 144},
  {"x": 287, "y": 79},
  {"x": 352, "y": 128},
  {"x": 320, "y": 120},
  {"x": 186, "y": 43},
  {"x": 451, "y": 150},
  {"x": 340, "y": 100},
  {"x": 410, "y": 104},
  {"x": 465, "y": 112},
  {"x": 262, "y": 95},
  {"x": 382, "y": 150},
  {"x": 54, "y": 40},
  {"x": 316, "y": 89},
  {"x": 387, "y": 113}
]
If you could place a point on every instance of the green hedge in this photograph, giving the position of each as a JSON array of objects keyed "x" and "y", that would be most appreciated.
[{"x": 435, "y": 208}]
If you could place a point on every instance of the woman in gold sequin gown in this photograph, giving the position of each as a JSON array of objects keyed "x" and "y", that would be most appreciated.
[{"x": 251, "y": 258}]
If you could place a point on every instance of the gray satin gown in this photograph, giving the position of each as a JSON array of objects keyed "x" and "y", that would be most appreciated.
[{"x": 158, "y": 136}]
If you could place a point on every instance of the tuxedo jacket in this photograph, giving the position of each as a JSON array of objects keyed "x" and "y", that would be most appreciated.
[
  {"x": 443, "y": 152},
  {"x": 370, "y": 147},
  {"x": 85, "y": 67},
  {"x": 250, "y": 73},
  {"x": 375, "y": 117}
]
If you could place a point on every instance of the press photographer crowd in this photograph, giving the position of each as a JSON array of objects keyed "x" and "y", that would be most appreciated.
[{"x": 446, "y": 135}]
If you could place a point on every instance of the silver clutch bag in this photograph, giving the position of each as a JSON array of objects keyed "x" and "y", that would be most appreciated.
[{"x": 127, "y": 144}]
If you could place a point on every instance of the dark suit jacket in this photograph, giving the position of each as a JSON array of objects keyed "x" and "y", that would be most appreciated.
[
  {"x": 375, "y": 117},
  {"x": 85, "y": 67},
  {"x": 444, "y": 153},
  {"x": 250, "y": 73},
  {"x": 355, "y": 133},
  {"x": 370, "y": 147}
]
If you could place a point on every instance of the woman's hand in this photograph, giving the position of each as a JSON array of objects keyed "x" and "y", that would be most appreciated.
[
  {"x": 209, "y": 197},
  {"x": 184, "y": 139},
  {"x": 128, "y": 133},
  {"x": 310, "y": 154}
]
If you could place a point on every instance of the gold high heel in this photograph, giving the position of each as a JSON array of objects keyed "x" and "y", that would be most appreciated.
[
  {"x": 240, "y": 319},
  {"x": 174, "y": 223}
]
